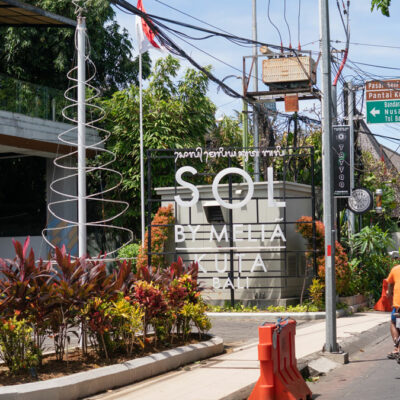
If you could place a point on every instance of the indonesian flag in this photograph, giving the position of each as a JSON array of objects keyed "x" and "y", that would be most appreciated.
[{"x": 145, "y": 36}]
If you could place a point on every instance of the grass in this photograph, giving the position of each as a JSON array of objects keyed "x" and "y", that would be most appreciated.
[{"x": 305, "y": 307}]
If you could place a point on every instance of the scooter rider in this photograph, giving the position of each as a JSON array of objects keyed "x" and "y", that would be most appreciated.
[{"x": 394, "y": 289}]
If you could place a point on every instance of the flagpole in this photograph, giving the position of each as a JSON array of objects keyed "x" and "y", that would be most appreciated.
[{"x": 141, "y": 149}]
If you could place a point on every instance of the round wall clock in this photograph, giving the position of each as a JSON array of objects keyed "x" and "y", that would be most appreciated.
[{"x": 360, "y": 201}]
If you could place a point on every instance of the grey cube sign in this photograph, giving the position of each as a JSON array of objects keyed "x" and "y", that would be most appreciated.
[{"x": 341, "y": 160}]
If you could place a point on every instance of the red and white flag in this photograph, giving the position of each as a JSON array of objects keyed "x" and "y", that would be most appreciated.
[{"x": 145, "y": 36}]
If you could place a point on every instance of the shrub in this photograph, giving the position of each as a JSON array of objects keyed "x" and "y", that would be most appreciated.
[
  {"x": 161, "y": 226},
  {"x": 371, "y": 240},
  {"x": 152, "y": 300},
  {"x": 194, "y": 314},
  {"x": 112, "y": 309},
  {"x": 99, "y": 322},
  {"x": 113, "y": 325},
  {"x": 371, "y": 263},
  {"x": 130, "y": 252},
  {"x": 24, "y": 288},
  {"x": 317, "y": 292},
  {"x": 17, "y": 348},
  {"x": 373, "y": 269},
  {"x": 343, "y": 273},
  {"x": 127, "y": 322}
]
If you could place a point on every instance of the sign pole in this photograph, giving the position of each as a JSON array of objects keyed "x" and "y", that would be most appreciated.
[
  {"x": 350, "y": 105},
  {"x": 327, "y": 186}
]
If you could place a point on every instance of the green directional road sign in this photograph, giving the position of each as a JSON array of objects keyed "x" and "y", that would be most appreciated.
[{"x": 383, "y": 112}]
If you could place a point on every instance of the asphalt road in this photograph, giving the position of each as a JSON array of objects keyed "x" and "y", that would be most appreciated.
[
  {"x": 238, "y": 330},
  {"x": 235, "y": 331},
  {"x": 368, "y": 376}
]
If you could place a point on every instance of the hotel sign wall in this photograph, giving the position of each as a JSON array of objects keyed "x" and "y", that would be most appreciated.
[{"x": 223, "y": 241}]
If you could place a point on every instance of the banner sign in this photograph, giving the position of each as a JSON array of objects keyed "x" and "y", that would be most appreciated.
[{"x": 341, "y": 161}]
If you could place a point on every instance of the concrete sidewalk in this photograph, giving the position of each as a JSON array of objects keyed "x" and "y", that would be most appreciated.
[{"x": 229, "y": 376}]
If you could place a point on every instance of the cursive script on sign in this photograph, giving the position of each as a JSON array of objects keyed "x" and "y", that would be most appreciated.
[{"x": 204, "y": 155}]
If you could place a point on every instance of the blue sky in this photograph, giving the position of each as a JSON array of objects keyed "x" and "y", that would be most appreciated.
[{"x": 236, "y": 17}]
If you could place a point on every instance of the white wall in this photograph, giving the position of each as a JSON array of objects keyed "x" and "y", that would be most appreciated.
[{"x": 37, "y": 243}]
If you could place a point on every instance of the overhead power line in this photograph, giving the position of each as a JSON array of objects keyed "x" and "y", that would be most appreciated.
[
  {"x": 376, "y": 66},
  {"x": 288, "y": 27},
  {"x": 157, "y": 27},
  {"x": 191, "y": 16},
  {"x": 365, "y": 44}
]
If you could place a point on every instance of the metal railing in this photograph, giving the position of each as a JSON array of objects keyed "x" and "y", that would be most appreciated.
[{"x": 30, "y": 99}]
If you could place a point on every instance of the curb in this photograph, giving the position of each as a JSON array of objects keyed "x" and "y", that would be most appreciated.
[
  {"x": 88, "y": 383},
  {"x": 305, "y": 316}
]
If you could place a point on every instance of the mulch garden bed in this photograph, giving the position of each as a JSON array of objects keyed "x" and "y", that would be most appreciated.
[{"x": 77, "y": 362}]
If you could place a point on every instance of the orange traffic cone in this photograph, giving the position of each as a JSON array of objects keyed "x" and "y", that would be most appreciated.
[{"x": 385, "y": 302}]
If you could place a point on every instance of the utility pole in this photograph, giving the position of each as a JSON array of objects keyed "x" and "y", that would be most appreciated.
[
  {"x": 245, "y": 140},
  {"x": 327, "y": 181},
  {"x": 334, "y": 104},
  {"x": 255, "y": 86},
  {"x": 350, "y": 114}
]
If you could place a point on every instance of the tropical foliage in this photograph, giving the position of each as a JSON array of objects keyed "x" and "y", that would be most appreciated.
[
  {"x": 377, "y": 175},
  {"x": 176, "y": 114},
  {"x": 382, "y": 5},
  {"x": 161, "y": 226},
  {"x": 113, "y": 312},
  {"x": 45, "y": 55},
  {"x": 370, "y": 262},
  {"x": 305, "y": 227},
  {"x": 130, "y": 252},
  {"x": 298, "y": 168}
]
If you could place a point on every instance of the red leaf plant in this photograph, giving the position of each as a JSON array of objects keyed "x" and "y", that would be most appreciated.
[{"x": 343, "y": 272}]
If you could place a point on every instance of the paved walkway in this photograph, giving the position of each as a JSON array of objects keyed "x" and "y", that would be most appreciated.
[{"x": 220, "y": 377}]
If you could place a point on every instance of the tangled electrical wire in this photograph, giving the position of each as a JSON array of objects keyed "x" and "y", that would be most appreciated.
[{"x": 156, "y": 24}]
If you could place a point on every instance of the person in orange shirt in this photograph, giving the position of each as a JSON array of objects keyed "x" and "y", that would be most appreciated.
[{"x": 394, "y": 289}]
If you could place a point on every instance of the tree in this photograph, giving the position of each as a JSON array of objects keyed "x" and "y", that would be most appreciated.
[
  {"x": 176, "y": 114},
  {"x": 382, "y": 5},
  {"x": 226, "y": 133},
  {"x": 44, "y": 55},
  {"x": 377, "y": 175}
]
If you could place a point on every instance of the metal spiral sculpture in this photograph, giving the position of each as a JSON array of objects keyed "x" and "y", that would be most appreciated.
[{"x": 76, "y": 113}]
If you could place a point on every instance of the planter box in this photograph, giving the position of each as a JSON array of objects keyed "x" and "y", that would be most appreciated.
[{"x": 355, "y": 300}]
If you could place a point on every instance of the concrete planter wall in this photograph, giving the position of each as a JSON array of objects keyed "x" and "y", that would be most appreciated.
[
  {"x": 82, "y": 384},
  {"x": 357, "y": 299}
]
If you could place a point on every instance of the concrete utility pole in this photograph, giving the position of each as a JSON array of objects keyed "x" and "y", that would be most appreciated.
[
  {"x": 334, "y": 105},
  {"x": 327, "y": 181},
  {"x": 350, "y": 113},
  {"x": 255, "y": 86}
]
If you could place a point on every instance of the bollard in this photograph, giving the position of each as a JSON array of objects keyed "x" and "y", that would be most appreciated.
[
  {"x": 385, "y": 302},
  {"x": 279, "y": 377}
]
